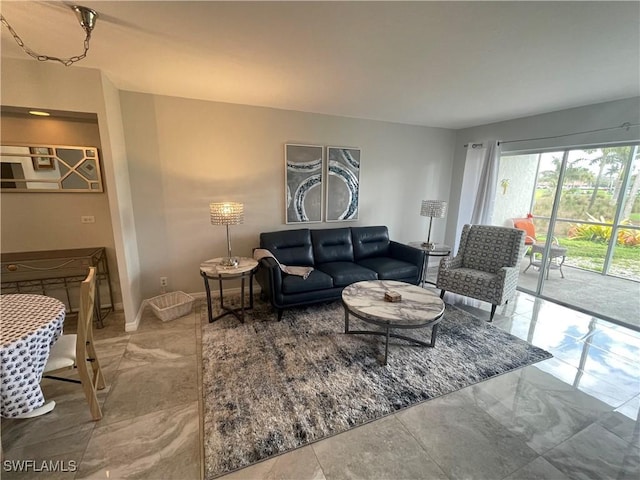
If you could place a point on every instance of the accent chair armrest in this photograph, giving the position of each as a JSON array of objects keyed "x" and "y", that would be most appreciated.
[
  {"x": 509, "y": 282},
  {"x": 449, "y": 263}
]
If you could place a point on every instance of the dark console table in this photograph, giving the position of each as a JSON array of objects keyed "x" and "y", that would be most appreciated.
[{"x": 48, "y": 272}]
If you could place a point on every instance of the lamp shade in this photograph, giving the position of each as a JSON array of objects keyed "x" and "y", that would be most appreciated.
[
  {"x": 226, "y": 213},
  {"x": 433, "y": 208}
]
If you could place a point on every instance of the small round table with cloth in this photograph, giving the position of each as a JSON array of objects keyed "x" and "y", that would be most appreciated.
[{"x": 30, "y": 325}]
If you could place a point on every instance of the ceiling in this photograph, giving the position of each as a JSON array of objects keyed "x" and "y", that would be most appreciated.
[{"x": 439, "y": 64}]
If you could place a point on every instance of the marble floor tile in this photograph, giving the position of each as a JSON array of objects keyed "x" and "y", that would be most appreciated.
[
  {"x": 625, "y": 421},
  {"x": 151, "y": 387},
  {"x": 464, "y": 440},
  {"x": 149, "y": 347},
  {"x": 67, "y": 427},
  {"x": 599, "y": 387},
  {"x": 382, "y": 449},
  {"x": 596, "y": 453},
  {"x": 523, "y": 304},
  {"x": 564, "y": 325},
  {"x": 297, "y": 464},
  {"x": 609, "y": 366},
  {"x": 517, "y": 325},
  {"x": 113, "y": 327},
  {"x": 541, "y": 409},
  {"x": 616, "y": 342},
  {"x": 538, "y": 469},
  {"x": 162, "y": 444},
  {"x": 621, "y": 329},
  {"x": 112, "y": 346}
]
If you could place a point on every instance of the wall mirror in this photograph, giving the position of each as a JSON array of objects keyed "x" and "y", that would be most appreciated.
[{"x": 50, "y": 168}]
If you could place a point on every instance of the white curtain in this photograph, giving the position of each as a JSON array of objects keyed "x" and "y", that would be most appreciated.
[
  {"x": 474, "y": 180},
  {"x": 486, "y": 194}
]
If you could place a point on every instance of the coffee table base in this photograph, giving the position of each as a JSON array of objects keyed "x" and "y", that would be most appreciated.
[{"x": 387, "y": 334}]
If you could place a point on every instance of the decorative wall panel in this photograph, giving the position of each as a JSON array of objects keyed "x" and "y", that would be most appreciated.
[
  {"x": 303, "y": 183},
  {"x": 343, "y": 183}
]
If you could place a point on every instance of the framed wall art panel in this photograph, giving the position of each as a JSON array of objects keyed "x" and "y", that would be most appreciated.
[
  {"x": 304, "y": 178},
  {"x": 343, "y": 183}
]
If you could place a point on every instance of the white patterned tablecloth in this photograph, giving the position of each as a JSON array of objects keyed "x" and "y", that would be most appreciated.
[{"x": 29, "y": 325}]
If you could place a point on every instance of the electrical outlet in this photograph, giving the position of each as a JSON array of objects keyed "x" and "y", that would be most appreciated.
[
  {"x": 164, "y": 281},
  {"x": 87, "y": 219}
]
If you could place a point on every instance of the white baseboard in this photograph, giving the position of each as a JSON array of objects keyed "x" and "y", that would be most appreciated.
[{"x": 133, "y": 326}]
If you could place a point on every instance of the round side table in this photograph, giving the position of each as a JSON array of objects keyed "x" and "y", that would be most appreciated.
[
  {"x": 437, "y": 251},
  {"x": 212, "y": 270}
]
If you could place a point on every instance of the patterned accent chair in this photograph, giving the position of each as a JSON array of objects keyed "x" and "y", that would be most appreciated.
[{"x": 487, "y": 265}]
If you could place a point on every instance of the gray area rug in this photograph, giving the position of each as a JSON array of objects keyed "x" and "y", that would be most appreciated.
[{"x": 271, "y": 386}]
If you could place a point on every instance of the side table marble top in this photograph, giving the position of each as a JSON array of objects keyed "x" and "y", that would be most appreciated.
[
  {"x": 438, "y": 250},
  {"x": 213, "y": 267}
]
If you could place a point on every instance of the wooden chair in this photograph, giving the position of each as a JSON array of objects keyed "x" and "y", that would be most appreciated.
[{"x": 77, "y": 350}]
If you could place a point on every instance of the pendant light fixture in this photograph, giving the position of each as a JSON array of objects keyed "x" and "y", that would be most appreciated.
[{"x": 87, "y": 19}]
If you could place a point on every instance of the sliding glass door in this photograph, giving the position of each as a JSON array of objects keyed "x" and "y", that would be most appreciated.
[{"x": 585, "y": 208}]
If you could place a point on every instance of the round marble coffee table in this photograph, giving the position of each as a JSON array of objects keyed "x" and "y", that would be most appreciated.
[{"x": 419, "y": 308}]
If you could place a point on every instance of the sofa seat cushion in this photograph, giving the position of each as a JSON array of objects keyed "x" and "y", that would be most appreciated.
[
  {"x": 346, "y": 273},
  {"x": 316, "y": 280},
  {"x": 389, "y": 268}
]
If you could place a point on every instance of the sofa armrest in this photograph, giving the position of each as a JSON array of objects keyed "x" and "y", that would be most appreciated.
[
  {"x": 269, "y": 276},
  {"x": 407, "y": 253}
]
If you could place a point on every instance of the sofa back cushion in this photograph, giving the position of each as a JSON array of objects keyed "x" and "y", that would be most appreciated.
[
  {"x": 290, "y": 247},
  {"x": 332, "y": 245},
  {"x": 370, "y": 242}
]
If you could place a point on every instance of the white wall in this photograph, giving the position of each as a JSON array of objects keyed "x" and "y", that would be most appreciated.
[
  {"x": 514, "y": 201},
  {"x": 582, "y": 119},
  {"x": 184, "y": 154},
  {"x": 48, "y": 86}
]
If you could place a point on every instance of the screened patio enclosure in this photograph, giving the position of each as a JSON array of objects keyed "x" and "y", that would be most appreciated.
[{"x": 585, "y": 209}]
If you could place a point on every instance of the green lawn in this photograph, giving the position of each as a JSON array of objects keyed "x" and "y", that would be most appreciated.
[{"x": 590, "y": 256}]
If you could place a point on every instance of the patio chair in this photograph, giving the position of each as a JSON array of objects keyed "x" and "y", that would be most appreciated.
[
  {"x": 557, "y": 254},
  {"x": 77, "y": 350},
  {"x": 529, "y": 228},
  {"x": 486, "y": 266}
]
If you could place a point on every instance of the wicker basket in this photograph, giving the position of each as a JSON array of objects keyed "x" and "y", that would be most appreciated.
[{"x": 170, "y": 306}]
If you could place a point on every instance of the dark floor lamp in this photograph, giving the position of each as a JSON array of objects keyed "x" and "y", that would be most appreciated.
[
  {"x": 431, "y": 209},
  {"x": 227, "y": 213}
]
